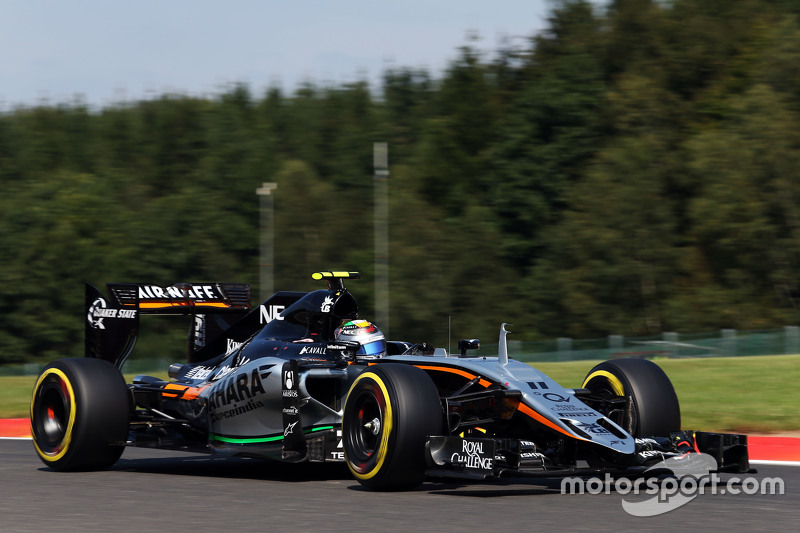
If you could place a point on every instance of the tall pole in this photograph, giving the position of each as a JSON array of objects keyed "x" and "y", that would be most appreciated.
[
  {"x": 380, "y": 153},
  {"x": 267, "y": 239}
]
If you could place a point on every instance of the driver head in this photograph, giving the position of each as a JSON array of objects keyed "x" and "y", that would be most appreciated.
[{"x": 372, "y": 343}]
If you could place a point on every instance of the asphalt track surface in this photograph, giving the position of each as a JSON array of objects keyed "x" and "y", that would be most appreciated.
[{"x": 173, "y": 491}]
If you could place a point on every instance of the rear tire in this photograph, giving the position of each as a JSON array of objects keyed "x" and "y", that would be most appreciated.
[
  {"x": 389, "y": 413},
  {"x": 655, "y": 411},
  {"x": 80, "y": 414}
]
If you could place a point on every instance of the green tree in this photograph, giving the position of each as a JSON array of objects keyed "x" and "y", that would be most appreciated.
[{"x": 550, "y": 132}]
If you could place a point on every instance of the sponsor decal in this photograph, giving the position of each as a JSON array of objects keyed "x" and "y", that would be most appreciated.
[
  {"x": 199, "y": 331},
  {"x": 315, "y": 350},
  {"x": 553, "y": 397},
  {"x": 571, "y": 407},
  {"x": 100, "y": 310},
  {"x": 200, "y": 372},
  {"x": 289, "y": 382},
  {"x": 537, "y": 385},
  {"x": 195, "y": 292},
  {"x": 227, "y": 369},
  {"x": 291, "y": 410},
  {"x": 267, "y": 315},
  {"x": 597, "y": 429},
  {"x": 327, "y": 303},
  {"x": 236, "y": 411},
  {"x": 338, "y": 453},
  {"x": 289, "y": 429},
  {"x": 337, "y": 347},
  {"x": 95, "y": 310},
  {"x": 531, "y": 455},
  {"x": 649, "y": 453},
  {"x": 472, "y": 456},
  {"x": 232, "y": 346},
  {"x": 243, "y": 387}
]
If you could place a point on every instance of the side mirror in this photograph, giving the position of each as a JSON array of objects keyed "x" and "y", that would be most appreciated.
[{"x": 468, "y": 344}]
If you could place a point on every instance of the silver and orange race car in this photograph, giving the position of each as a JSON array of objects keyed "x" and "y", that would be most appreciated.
[{"x": 301, "y": 377}]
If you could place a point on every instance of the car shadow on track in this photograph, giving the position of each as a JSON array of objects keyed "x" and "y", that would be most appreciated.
[
  {"x": 235, "y": 468},
  {"x": 491, "y": 488},
  {"x": 210, "y": 466},
  {"x": 176, "y": 463},
  {"x": 495, "y": 488}
]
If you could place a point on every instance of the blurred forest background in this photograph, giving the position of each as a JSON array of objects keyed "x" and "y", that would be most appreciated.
[{"x": 630, "y": 170}]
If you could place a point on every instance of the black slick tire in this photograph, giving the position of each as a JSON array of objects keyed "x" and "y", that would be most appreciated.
[
  {"x": 389, "y": 413},
  {"x": 655, "y": 411},
  {"x": 80, "y": 414}
]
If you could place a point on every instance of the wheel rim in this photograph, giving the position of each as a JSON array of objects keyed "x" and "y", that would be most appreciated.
[
  {"x": 366, "y": 432},
  {"x": 53, "y": 414}
]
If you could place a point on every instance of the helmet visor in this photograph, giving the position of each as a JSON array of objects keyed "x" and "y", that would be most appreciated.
[{"x": 372, "y": 348}]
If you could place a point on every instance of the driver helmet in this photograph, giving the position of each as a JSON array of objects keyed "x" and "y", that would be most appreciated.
[{"x": 372, "y": 343}]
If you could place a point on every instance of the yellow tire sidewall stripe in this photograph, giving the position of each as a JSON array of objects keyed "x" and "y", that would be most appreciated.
[
  {"x": 52, "y": 457},
  {"x": 386, "y": 429},
  {"x": 614, "y": 381}
]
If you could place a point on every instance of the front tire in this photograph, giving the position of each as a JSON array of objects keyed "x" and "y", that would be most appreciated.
[
  {"x": 389, "y": 413},
  {"x": 80, "y": 414},
  {"x": 655, "y": 411}
]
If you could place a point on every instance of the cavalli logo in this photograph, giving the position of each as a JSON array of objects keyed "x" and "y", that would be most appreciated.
[
  {"x": 318, "y": 350},
  {"x": 99, "y": 310},
  {"x": 472, "y": 456}
]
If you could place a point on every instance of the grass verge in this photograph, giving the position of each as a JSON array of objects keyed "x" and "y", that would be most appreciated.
[
  {"x": 739, "y": 394},
  {"x": 16, "y": 391}
]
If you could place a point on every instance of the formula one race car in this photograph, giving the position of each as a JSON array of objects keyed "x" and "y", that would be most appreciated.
[{"x": 302, "y": 378}]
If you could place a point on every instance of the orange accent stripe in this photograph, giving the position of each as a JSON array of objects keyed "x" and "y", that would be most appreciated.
[
  {"x": 157, "y": 305},
  {"x": 539, "y": 418},
  {"x": 467, "y": 375},
  {"x": 522, "y": 407},
  {"x": 189, "y": 393}
]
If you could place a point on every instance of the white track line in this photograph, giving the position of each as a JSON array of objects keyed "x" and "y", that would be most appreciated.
[{"x": 776, "y": 463}]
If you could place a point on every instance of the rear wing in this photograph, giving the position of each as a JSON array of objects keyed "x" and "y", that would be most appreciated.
[
  {"x": 112, "y": 322},
  {"x": 181, "y": 298},
  {"x": 222, "y": 316}
]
